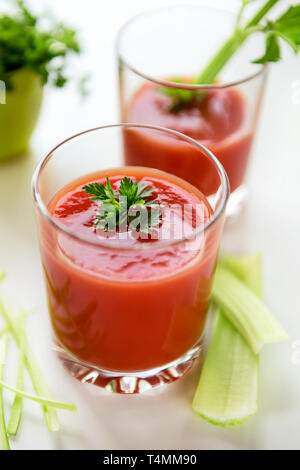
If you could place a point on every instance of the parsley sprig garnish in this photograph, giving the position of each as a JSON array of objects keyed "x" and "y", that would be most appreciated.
[
  {"x": 286, "y": 27},
  {"x": 128, "y": 207},
  {"x": 26, "y": 43}
]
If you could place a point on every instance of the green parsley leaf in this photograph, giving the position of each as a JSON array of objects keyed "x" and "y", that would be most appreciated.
[
  {"x": 99, "y": 191},
  {"x": 25, "y": 43},
  {"x": 106, "y": 218},
  {"x": 109, "y": 190},
  {"x": 143, "y": 190},
  {"x": 124, "y": 207},
  {"x": 96, "y": 190},
  {"x": 289, "y": 24},
  {"x": 128, "y": 189},
  {"x": 287, "y": 39},
  {"x": 272, "y": 53}
]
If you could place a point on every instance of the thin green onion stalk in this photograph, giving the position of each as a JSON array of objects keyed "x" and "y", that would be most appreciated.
[
  {"x": 42, "y": 400},
  {"x": 17, "y": 406},
  {"x": 4, "y": 444},
  {"x": 15, "y": 327},
  {"x": 37, "y": 377},
  {"x": 3, "y": 331}
]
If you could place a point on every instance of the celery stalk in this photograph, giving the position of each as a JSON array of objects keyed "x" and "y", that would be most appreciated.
[
  {"x": 17, "y": 406},
  {"x": 213, "y": 68},
  {"x": 248, "y": 269},
  {"x": 42, "y": 400},
  {"x": 37, "y": 377},
  {"x": 4, "y": 444},
  {"x": 3, "y": 331},
  {"x": 227, "y": 391},
  {"x": 246, "y": 311}
]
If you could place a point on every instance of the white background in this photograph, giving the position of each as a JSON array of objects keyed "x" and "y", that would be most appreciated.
[{"x": 271, "y": 224}]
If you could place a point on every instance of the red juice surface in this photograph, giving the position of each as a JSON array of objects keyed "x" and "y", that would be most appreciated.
[
  {"x": 217, "y": 122},
  {"x": 127, "y": 308}
]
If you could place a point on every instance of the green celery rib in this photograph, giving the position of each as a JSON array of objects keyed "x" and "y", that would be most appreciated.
[
  {"x": 3, "y": 331},
  {"x": 37, "y": 377},
  {"x": 246, "y": 311},
  {"x": 230, "y": 47},
  {"x": 44, "y": 401},
  {"x": 227, "y": 391},
  {"x": 17, "y": 406},
  {"x": 248, "y": 269},
  {"x": 4, "y": 444}
]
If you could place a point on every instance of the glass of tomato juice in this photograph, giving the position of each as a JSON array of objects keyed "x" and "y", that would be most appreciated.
[
  {"x": 156, "y": 49},
  {"x": 127, "y": 308}
]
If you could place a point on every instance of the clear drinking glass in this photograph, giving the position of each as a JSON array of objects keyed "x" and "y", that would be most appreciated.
[
  {"x": 126, "y": 317},
  {"x": 177, "y": 42}
]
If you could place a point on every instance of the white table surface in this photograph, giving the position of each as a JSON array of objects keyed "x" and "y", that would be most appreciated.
[{"x": 271, "y": 224}]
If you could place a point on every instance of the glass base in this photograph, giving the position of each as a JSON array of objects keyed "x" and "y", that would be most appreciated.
[
  {"x": 236, "y": 202},
  {"x": 128, "y": 383}
]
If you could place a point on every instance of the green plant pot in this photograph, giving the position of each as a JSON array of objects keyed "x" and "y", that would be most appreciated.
[{"x": 19, "y": 115}]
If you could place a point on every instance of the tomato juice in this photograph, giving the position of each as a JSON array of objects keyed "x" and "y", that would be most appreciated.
[
  {"x": 217, "y": 121},
  {"x": 135, "y": 306}
]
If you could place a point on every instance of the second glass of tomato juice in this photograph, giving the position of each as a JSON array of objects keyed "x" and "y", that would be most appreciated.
[
  {"x": 164, "y": 50},
  {"x": 127, "y": 296}
]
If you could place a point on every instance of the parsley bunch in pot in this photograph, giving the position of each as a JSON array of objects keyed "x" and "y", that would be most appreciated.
[{"x": 30, "y": 57}]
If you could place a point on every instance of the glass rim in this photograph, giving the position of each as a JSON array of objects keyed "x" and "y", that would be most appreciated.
[
  {"x": 169, "y": 84},
  {"x": 224, "y": 182}
]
